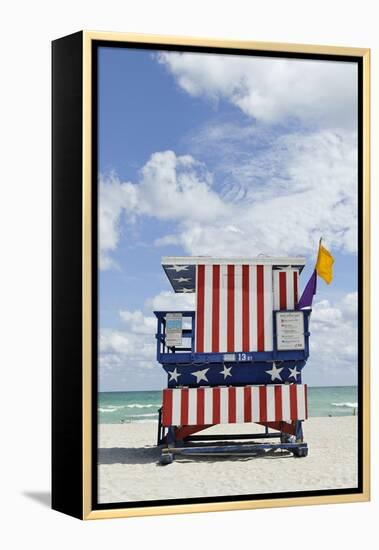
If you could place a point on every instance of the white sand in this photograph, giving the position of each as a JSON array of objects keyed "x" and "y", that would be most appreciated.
[{"x": 128, "y": 469}]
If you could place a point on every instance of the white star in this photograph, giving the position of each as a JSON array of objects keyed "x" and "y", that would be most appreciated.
[
  {"x": 294, "y": 372},
  {"x": 275, "y": 373},
  {"x": 185, "y": 290},
  {"x": 183, "y": 280},
  {"x": 178, "y": 268},
  {"x": 226, "y": 371},
  {"x": 174, "y": 375},
  {"x": 200, "y": 375}
]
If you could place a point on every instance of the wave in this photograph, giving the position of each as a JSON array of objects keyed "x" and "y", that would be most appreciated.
[
  {"x": 114, "y": 408},
  {"x": 147, "y": 414},
  {"x": 140, "y": 406},
  {"x": 111, "y": 408},
  {"x": 141, "y": 418},
  {"x": 346, "y": 405}
]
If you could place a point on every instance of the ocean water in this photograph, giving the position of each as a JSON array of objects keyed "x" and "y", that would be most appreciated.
[{"x": 142, "y": 406}]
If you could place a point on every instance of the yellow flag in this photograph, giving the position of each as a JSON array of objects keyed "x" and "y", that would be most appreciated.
[{"x": 324, "y": 265}]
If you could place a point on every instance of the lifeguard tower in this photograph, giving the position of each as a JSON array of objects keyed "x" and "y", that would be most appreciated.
[{"x": 237, "y": 358}]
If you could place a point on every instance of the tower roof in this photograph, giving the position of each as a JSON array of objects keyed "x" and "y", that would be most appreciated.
[{"x": 181, "y": 270}]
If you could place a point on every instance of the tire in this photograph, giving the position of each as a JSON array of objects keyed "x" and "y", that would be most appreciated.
[
  {"x": 300, "y": 452},
  {"x": 166, "y": 458}
]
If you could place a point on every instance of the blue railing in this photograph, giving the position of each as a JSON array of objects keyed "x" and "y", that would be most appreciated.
[
  {"x": 187, "y": 333},
  {"x": 187, "y": 354}
]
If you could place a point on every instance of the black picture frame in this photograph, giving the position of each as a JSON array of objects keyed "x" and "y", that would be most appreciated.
[{"x": 75, "y": 257}]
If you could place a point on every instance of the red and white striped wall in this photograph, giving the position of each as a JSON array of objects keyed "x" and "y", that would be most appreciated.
[
  {"x": 286, "y": 288},
  {"x": 234, "y": 305},
  {"x": 231, "y": 405}
]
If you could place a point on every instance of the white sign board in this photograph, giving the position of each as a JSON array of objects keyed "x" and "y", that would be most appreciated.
[
  {"x": 290, "y": 330},
  {"x": 174, "y": 329}
]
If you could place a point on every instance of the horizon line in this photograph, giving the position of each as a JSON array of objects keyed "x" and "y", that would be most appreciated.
[{"x": 161, "y": 389}]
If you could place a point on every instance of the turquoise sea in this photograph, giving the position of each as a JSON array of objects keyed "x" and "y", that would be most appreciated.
[{"x": 142, "y": 406}]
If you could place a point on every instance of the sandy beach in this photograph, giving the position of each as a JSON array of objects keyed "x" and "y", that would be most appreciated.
[{"x": 129, "y": 469}]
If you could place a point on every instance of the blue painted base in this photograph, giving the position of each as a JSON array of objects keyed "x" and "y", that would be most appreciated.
[
  {"x": 233, "y": 374},
  {"x": 223, "y": 448}
]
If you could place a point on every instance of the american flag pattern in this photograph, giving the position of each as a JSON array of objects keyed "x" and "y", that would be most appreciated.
[
  {"x": 235, "y": 303},
  {"x": 231, "y": 405},
  {"x": 286, "y": 288},
  {"x": 234, "y": 308}
]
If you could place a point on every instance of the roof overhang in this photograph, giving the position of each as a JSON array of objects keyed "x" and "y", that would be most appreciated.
[{"x": 181, "y": 270}]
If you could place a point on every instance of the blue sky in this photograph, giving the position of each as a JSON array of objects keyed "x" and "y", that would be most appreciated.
[
  {"x": 215, "y": 154},
  {"x": 140, "y": 112}
]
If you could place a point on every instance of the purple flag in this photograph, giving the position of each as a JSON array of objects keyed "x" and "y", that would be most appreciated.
[{"x": 308, "y": 293}]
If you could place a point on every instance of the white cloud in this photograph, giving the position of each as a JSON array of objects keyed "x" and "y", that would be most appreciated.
[
  {"x": 138, "y": 323},
  {"x": 127, "y": 355},
  {"x": 170, "y": 187},
  {"x": 321, "y": 93},
  {"x": 273, "y": 193},
  {"x": 349, "y": 305},
  {"x": 125, "y": 350},
  {"x": 127, "y": 360},
  {"x": 282, "y": 200},
  {"x": 177, "y": 187},
  {"x": 310, "y": 189},
  {"x": 333, "y": 343},
  {"x": 168, "y": 300},
  {"x": 324, "y": 314},
  {"x": 114, "y": 198}
]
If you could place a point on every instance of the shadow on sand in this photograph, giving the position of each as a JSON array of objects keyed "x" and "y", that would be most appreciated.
[
  {"x": 125, "y": 455},
  {"x": 150, "y": 455}
]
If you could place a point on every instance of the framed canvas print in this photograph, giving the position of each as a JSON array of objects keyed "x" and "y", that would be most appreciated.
[{"x": 210, "y": 275}]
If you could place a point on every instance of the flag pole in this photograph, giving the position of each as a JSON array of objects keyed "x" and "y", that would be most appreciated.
[{"x": 318, "y": 253}]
